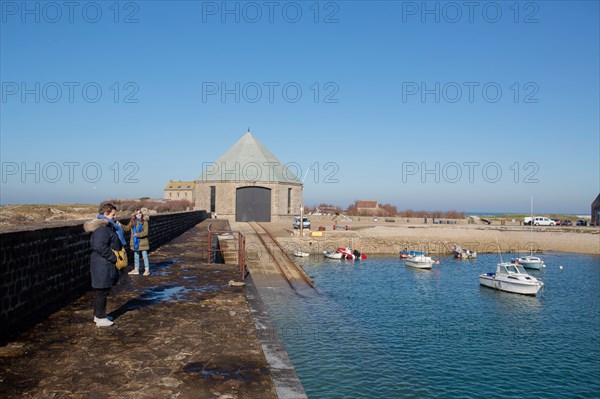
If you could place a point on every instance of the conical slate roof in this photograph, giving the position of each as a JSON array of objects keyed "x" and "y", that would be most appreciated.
[{"x": 248, "y": 160}]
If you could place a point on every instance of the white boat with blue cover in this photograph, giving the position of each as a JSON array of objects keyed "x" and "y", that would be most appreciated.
[{"x": 513, "y": 278}]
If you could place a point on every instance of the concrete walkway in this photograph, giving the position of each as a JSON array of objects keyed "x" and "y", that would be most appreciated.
[{"x": 181, "y": 332}]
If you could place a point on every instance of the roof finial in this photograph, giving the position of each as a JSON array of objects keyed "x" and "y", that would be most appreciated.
[{"x": 248, "y": 129}]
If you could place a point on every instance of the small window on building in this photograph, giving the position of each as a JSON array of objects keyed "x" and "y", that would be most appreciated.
[
  {"x": 177, "y": 195},
  {"x": 170, "y": 195},
  {"x": 186, "y": 194},
  {"x": 289, "y": 207},
  {"x": 213, "y": 198}
]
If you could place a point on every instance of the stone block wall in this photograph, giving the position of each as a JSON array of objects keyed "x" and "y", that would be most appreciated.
[
  {"x": 46, "y": 267},
  {"x": 226, "y": 194}
]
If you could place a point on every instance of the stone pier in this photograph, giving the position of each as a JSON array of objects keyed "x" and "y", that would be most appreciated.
[{"x": 182, "y": 332}]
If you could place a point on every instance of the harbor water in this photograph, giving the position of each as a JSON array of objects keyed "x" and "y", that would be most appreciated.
[{"x": 379, "y": 329}]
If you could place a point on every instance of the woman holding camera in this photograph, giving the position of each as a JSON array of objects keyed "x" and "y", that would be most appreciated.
[{"x": 138, "y": 226}]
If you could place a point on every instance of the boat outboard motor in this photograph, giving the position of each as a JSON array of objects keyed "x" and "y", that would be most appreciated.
[{"x": 356, "y": 254}]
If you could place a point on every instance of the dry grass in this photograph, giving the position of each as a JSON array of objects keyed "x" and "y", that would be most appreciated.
[
  {"x": 32, "y": 214},
  {"x": 129, "y": 205}
]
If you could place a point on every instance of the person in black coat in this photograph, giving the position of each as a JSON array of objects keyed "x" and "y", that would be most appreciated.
[{"x": 105, "y": 237}]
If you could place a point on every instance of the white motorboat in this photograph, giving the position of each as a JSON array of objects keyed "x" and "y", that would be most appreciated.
[
  {"x": 530, "y": 262},
  {"x": 332, "y": 255},
  {"x": 419, "y": 261},
  {"x": 511, "y": 277},
  {"x": 301, "y": 254},
  {"x": 406, "y": 253}
]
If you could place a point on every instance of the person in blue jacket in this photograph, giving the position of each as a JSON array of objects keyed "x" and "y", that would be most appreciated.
[
  {"x": 139, "y": 244},
  {"x": 106, "y": 236}
]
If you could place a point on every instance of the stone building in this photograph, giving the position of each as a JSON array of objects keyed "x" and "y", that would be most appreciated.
[
  {"x": 596, "y": 212},
  {"x": 367, "y": 207},
  {"x": 248, "y": 183},
  {"x": 179, "y": 190}
]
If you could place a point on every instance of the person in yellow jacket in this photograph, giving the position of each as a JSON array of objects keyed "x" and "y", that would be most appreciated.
[{"x": 138, "y": 226}]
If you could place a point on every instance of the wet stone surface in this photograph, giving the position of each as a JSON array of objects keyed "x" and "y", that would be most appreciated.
[{"x": 181, "y": 332}]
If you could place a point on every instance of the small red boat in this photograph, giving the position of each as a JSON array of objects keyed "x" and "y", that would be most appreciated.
[{"x": 349, "y": 254}]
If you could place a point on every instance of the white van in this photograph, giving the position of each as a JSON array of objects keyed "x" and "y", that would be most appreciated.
[
  {"x": 305, "y": 222},
  {"x": 539, "y": 221}
]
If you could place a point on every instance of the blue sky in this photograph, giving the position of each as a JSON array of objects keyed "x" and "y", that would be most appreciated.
[{"x": 423, "y": 105}]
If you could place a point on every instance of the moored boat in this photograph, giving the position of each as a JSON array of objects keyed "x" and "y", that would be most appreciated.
[
  {"x": 405, "y": 253},
  {"x": 419, "y": 261},
  {"x": 463, "y": 253},
  {"x": 530, "y": 262},
  {"x": 513, "y": 278},
  {"x": 349, "y": 254},
  {"x": 301, "y": 254},
  {"x": 332, "y": 255}
]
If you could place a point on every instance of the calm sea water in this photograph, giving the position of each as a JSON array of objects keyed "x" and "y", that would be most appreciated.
[{"x": 380, "y": 329}]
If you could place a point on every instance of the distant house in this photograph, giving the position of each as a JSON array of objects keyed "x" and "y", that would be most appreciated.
[
  {"x": 596, "y": 211},
  {"x": 179, "y": 190},
  {"x": 367, "y": 207},
  {"x": 327, "y": 210}
]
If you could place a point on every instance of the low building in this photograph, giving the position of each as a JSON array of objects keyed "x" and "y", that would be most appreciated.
[
  {"x": 248, "y": 183},
  {"x": 327, "y": 210},
  {"x": 368, "y": 208},
  {"x": 596, "y": 211},
  {"x": 179, "y": 190}
]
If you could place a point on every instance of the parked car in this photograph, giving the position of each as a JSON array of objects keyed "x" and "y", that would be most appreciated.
[
  {"x": 582, "y": 222},
  {"x": 305, "y": 222},
  {"x": 567, "y": 222},
  {"x": 543, "y": 221},
  {"x": 557, "y": 222}
]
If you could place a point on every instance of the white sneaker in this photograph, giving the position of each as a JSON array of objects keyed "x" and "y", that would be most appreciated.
[
  {"x": 105, "y": 322},
  {"x": 146, "y": 272},
  {"x": 108, "y": 317},
  {"x": 134, "y": 271}
]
